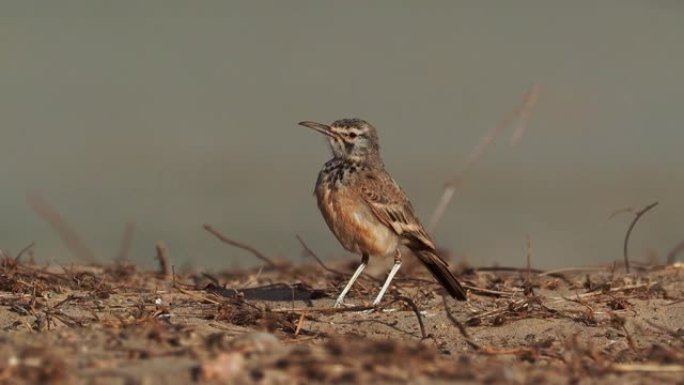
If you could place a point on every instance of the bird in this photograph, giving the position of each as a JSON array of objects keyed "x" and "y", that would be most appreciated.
[{"x": 366, "y": 209}]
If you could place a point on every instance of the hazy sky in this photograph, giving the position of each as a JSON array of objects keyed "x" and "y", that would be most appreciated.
[{"x": 174, "y": 114}]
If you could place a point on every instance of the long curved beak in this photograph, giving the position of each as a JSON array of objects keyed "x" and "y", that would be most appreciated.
[{"x": 322, "y": 128}]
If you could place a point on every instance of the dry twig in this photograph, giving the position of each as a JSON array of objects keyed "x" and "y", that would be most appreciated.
[
  {"x": 240, "y": 245},
  {"x": 522, "y": 114},
  {"x": 461, "y": 328},
  {"x": 163, "y": 258},
  {"x": 126, "y": 241},
  {"x": 528, "y": 275},
  {"x": 67, "y": 233},
  {"x": 314, "y": 256},
  {"x": 22, "y": 251},
  {"x": 672, "y": 255},
  {"x": 629, "y": 231},
  {"x": 653, "y": 368},
  {"x": 416, "y": 311}
]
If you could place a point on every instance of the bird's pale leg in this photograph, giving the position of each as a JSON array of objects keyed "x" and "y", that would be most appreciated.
[
  {"x": 364, "y": 262},
  {"x": 390, "y": 276}
]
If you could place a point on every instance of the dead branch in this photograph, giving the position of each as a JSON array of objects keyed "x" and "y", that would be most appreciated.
[
  {"x": 197, "y": 296},
  {"x": 491, "y": 293},
  {"x": 329, "y": 269},
  {"x": 629, "y": 231},
  {"x": 300, "y": 323},
  {"x": 528, "y": 275},
  {"x": 525, "y": 112},
  {"x": 335, "y": 310},
  {"x": 416, "y": 311},
  {"x": 672, "y": 255},
  {"x": 126, "y": 241},
  {"x": 521, "y": 113},
  {"x": 314, "y": 256},
  {"x": 595, "y": 293},
  {"x": 240, "y": 245},
  {"x": 67, "y": 233},
  {"x": 508, "y": 269},
  {"x": 670, "y": 332},
  {"x": 22, "y": 251},
  {"x": 654, "y": 368},
  {"x": 461, "y": 328},
  {"x": 326, "y": 310},
  {"x": 620, "y": 211},
  {"x": 557, "y": 272},
  {"x": 163, "y": 258}
]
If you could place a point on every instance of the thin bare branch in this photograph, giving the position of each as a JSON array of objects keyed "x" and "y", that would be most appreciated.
[
  {"x": 522, "y": 113},
  {"x": 629, "y": 232},
  {"x": 314, "y": 256},
  {"x": 126, "y": 240},
  {"x": 163, "y": 258},
  {"x": 556, "y": 272},
  {"x": 653, "y": 368},
  {"x": 620, "y": 211},
  {"x": 461, "y": 328},
  {"x": 326, "y": 310},
  {"x": 67, "y": 233},
  {"x": 416, "y": 311},
  {"x": 525, "y": 112},
  {"x": 22, "y": 251},
  {"x": 672, "y": 255},
  {"x": 528, "y": 275},
  {"x": 240, "y": 245}
]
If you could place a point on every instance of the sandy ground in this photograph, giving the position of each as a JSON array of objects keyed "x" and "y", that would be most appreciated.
[{"x": 117, "y": 325}]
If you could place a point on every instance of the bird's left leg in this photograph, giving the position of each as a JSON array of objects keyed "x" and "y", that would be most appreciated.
[
  {"x": 364, "y": 262},
  {"x": 390, "y": 276}
]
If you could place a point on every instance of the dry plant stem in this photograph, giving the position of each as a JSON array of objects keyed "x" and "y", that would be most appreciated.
[
  {"x": 299, "y": 325},
  {"x": 67, "y": 233},
  {"x": 672, "y": 255},
  {"x": 326, "y": 310},
  {"x": 525, "y": 112},
  {"x": 556, "y": 272},
  {"x": 522, "y": 113},
  {"x": 334, "y": 310},
  {"x": 670, "y": 332},
  {"x": 528, "y": 279},
  {"x": 629, "y": 232},
  {"x": 620, "y": 211},
  {"x": 324, "y": 266},
  {"x": 654, "y": 368},
  {"x": 239, "y": 245},
  {"x": 506, "y": 268},
  {"x": 416, "y": 311},
  {"x": 461, "y": 328},
  {"x": 314, "y": 256},
  {"x": 491, "y": 293},
  {"x": 595, "y": 293},
  {"x": 163, "y": 258},
  {"x": 630, "y": 340},
  {"x": 126, "y": 240},
  {"x": 22, "y": 251},
  {"x": 197, "y": 296}
]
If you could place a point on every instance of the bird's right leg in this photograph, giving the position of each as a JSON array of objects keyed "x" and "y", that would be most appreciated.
[{"x": 364, "y": 262}]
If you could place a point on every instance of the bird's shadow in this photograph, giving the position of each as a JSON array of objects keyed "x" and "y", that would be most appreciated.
[{"x": 274, "y": 292}]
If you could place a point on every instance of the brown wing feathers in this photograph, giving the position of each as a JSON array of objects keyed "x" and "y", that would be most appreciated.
[{"x": 395, "y": 211}]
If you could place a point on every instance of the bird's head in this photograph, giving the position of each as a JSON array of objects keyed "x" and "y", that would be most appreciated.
[{"x": 351, "y": 139}]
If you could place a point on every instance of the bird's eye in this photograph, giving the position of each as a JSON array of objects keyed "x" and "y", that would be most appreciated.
[{"x": 352, "y": 135}]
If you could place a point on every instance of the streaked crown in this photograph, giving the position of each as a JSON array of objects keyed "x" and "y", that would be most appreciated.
[{"x": 351, "y": 139}]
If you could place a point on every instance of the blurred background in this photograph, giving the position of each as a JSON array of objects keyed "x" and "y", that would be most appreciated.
[{"x": 174, "y": 114}]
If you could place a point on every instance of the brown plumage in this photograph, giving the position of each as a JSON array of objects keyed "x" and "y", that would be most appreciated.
[{"x": 367, "y": 210}]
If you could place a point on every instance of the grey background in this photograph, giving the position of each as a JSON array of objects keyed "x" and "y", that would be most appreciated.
[{"x": 174, "y": 114}]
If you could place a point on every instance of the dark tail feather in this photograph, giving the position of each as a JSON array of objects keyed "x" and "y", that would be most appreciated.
[{"x": 440, "y": 270}]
